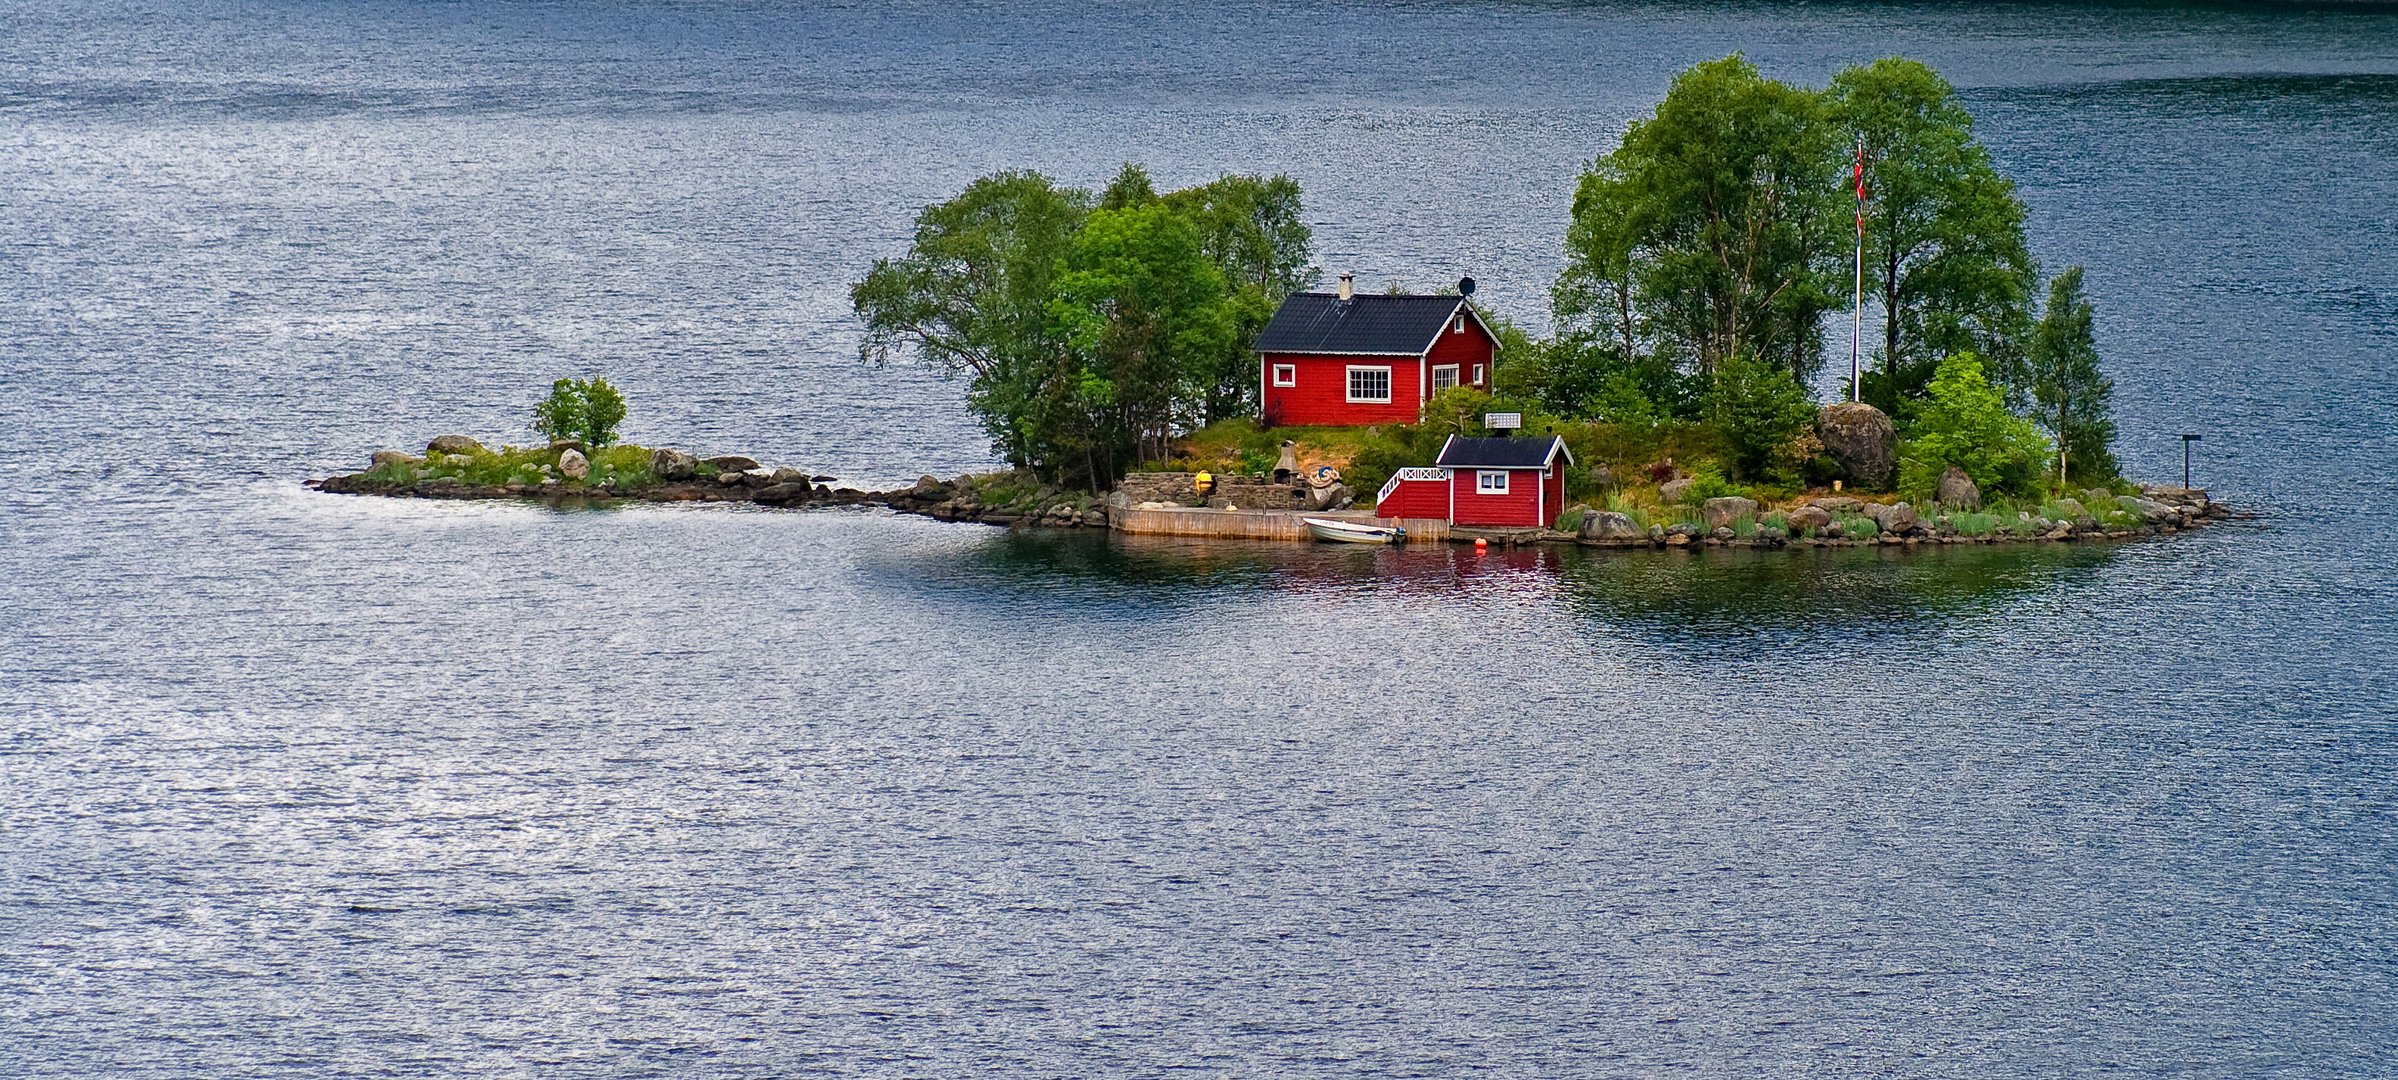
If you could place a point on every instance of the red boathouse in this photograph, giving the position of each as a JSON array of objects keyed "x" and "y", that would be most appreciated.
[
  {"x": 1339, "y": 358},
  {"x": 1499, "y": 483}
]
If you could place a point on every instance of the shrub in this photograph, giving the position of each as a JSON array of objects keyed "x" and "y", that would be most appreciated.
[
  {"x": 1708, "y": 483},
  {"x": 1963, "y": 421},
  {"x": 1762, "y": 411},
  {"x": 583, "y": 410}
]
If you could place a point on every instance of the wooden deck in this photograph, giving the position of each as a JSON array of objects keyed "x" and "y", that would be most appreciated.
[{"x": 1200, "y": 521}]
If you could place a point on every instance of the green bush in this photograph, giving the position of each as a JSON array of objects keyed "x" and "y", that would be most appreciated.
[
  {"x": 581, "y": 410},
  {"x": 1708, "y": 483},
  {"x": 1963, "y": 421},
  {"x": 1761, "y": 410}
]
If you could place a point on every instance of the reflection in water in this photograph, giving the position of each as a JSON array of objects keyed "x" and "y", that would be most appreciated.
[
  {"x": 1707, "y": 592},
  {"x": 1678, "y": 592}
]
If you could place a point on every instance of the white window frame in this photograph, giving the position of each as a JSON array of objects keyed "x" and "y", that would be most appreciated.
[
  {"x": 1436, "y": 383},
  {"x": 1385, "y": 399},
  {"x": 1459, "y": 326},
  {"x": 1483, "y": 478},
  {"x": 1286, "y": 374},
  {"x": 1477, "y": 374}
]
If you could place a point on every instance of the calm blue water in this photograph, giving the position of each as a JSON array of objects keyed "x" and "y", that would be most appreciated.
[{"x": 294, "y": 784}]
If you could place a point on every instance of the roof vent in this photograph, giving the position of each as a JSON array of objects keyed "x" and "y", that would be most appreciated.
[{"x": 1348, "y": 287}]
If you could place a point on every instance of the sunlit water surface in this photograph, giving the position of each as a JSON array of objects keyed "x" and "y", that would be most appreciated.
[{"x": 307, "y": 785}]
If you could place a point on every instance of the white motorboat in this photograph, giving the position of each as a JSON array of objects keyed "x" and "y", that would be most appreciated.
[{"x": 1353, "y": 532}]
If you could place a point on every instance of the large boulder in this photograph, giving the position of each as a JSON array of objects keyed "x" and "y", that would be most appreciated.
[
  {"x": 1861, "y": 441},
  {"x": 574, "y": 465},
  {"x": 1897, "y": 519},
  {"x": 1610, "y": 527},
  {"x": 393, "y": 457},
  {"x": 1957, "y": 491},
  {"x": 673, "y": 464},
  {"x": 2150, "y": 510},
  {"x": 1809, "y": 517},
  {"x": 453, "y": 444},
  {"x": 1720, "y": 513},
  {"x": 783, "y": 493},
  {"x": 733, "y": 463},
  {"x": 1672, "y": 490}
]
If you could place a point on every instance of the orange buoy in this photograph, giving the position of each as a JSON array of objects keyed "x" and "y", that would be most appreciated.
[{"x": 1481, "y": 545}]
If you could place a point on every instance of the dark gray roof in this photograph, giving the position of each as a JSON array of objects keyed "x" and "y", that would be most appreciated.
[
  {"x": 1365, "y": 324},
  {"x": 1500, "y": 453}
]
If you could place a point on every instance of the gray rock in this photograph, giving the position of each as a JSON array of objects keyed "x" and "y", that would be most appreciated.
[
  {"x": 1610, "y": 527},
  {"x": 1832, "y": 531},
  {"x": 1672, "y": 490},
  {"x": 1839, "y": 504},
  {"x": 1602, "y": 476},
  {"x": 733, "y": 463},
  {"x": 1719, "y": 513},
  {"x": 1809, "y": 517},
  {"x": 1723, "y": 534},
  {"x": 574, "y": 464},
  {"x": 673, "y": 464},
  {"x": 1897, "y": 519},
  {"x": 728, "y": 477},
  {"x": 393, "y": 457},
  {"x": 1769, "y": 536},
  {"x": 2150, "y": 510},
  {"x": 758, "y": 478},
  {"x": 1656, "y": 534},
  {"x": 1957, "y": 491},
  {"x": 1861, "y": 441},
  {"x": 783, "y": 493},
  {"x": 453, "y": 444},
  {"x": 788, "y": 475}
]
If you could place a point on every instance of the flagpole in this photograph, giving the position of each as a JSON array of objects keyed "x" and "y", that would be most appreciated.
[{"x": 1856, "y": 328}]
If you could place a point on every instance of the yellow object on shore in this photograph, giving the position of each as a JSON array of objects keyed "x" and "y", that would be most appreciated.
[{"x": 1204, "y": 483}]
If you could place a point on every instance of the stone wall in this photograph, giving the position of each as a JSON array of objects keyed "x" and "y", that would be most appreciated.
[{"x": 1249, "y": 492}]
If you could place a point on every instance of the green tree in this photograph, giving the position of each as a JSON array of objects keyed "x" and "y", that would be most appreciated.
[
  {"x": 1717, "y": 212},
  {"x": 1759, "y": 408},
  {"x": 1945, "y": 255},
  {"x": 583, "y": 410},
  {"x": 972, "y": 296},
  {"x": 1143, "y": 314},
  {"x": 1963, "y": 421},
  {"x": 2073, "y": 399},
  {"x": 1252, "y": 228}
]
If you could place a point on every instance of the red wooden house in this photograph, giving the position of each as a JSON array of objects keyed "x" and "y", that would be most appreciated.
[
  {"x": 1491, "y": 482},
  {"x": 1345, "y": 359}
]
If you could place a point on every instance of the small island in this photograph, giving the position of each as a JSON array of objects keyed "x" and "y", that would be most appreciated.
[{"x": 1160, "y": 363}]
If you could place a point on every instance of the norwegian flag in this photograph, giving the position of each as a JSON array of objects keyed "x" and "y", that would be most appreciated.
[{"x": 1860, "y": 175}]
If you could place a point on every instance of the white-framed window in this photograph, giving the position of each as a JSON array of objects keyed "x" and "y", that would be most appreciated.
[
  {"x": 1444, "y": 377},
  {"x": 1370, "y": 385},
  {"x": 1477, "y": 374},
  {"x": 1286, "y": 374},
  {"x": 1490, "y": 482},
  {"x": 1459, "y": 326}
]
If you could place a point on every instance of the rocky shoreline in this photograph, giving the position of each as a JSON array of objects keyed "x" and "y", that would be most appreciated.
[{"x": 564, "y": 473}]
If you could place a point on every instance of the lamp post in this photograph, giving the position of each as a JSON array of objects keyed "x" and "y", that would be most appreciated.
[{"x": 2187, "y": 439}]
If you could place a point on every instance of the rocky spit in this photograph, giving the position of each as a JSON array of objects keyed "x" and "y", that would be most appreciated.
[
  {"x": 1016, "y": 499},
  {"x": 683, "y": 477}
]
